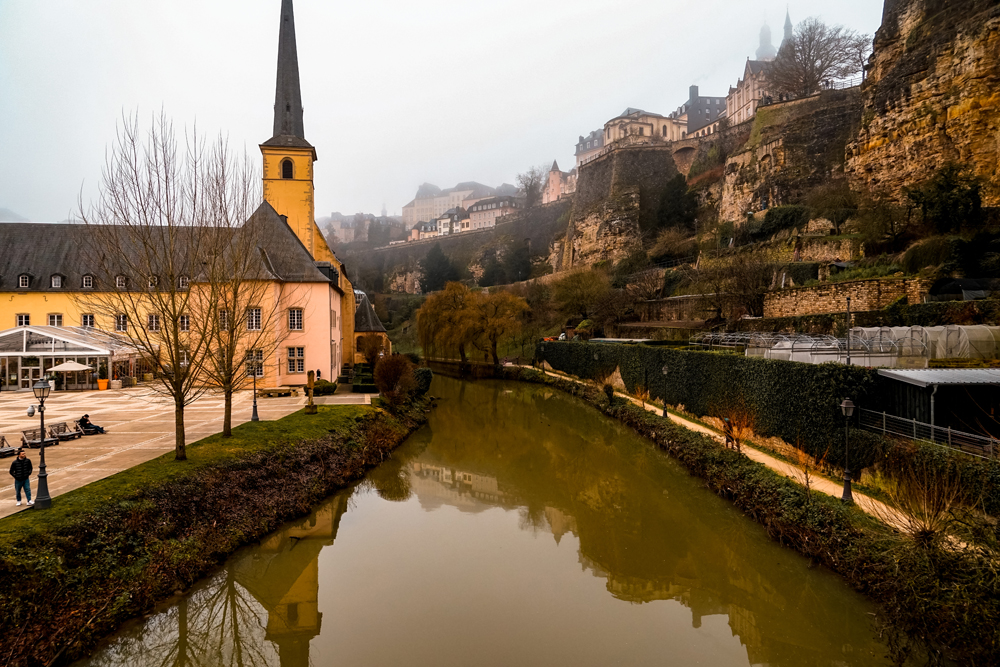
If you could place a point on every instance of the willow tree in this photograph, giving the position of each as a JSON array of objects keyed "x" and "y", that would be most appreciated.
[
  {"x": 445, "y": 321},
  {"x": 496, "y": 316}
]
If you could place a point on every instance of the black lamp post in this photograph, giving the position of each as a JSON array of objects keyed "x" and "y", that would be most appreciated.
[
  {"x": 254, "y": 417},
  {"x": 42, "y": 501},
  {"x": 847, "y": 407},
  {"x": 848, "y": 334}
]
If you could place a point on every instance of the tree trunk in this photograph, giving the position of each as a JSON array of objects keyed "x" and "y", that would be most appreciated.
[
  {"x": 493, "y": 350},
  {"x": 461, "y": 352},
  {"x": 179, "y": 447},
  {"x": 227, "y": 418}
]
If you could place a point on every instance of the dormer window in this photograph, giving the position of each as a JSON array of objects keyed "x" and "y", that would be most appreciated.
[
  {"x": 23, "y": 280},
  {"x": 120, "y": 282},
  {"x": 286, "y": 168},
  {"x": 56, "y": 281},
  {"x": 88, "y": 282},
  {"x": 182, "y": 282},
  {"x": 153, "y": 281}
]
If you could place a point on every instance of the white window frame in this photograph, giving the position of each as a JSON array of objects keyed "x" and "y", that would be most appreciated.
[
  {"x": 295, "y": 319},
  {"x": 184, "y": 323},
  {"x": 152, "y": 322},
  {"x": 88, "y": 282},
  {"x": 55, "y": 319},
  {"x": 254, "y": 361},
  {"x": 120, "y": 282},
  {"x": 121, "y": 323},
  {"x": 23, "y": 320},
  {"x": 55, "y": 281},
  {"x": 87, "y": 320},
  {"x": 24, "y": 280},
  {"x": 183, "y": 282},
  {"x": 223, "y": 320},
  {"x": 253, "y": 319},
  {"x": 296, "y": 360}
]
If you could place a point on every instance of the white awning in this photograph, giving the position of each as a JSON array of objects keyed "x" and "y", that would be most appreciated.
[{"x": 926, "y": 377}]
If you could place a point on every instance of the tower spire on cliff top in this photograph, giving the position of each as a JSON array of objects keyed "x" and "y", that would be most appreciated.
[
  {"x": 788, "y": 26},
  {"x": 287, "y": 95}
]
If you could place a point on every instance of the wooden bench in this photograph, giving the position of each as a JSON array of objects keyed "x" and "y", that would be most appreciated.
[
  {"x": 278, "y": 391},
  {"x": 63, "y": 432},
  {"x": 85, "y": 431},
  {"x": 32, "y": 438},
  {"x": 5, "y": 448}
]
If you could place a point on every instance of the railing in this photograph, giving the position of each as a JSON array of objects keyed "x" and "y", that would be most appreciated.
[{"x": 970, "y": 443}]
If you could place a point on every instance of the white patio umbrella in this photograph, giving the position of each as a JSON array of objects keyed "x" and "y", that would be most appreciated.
[{"x": 69, "y": 367}]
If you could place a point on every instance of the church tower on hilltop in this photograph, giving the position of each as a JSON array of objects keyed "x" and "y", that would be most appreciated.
[
  {"x": 766, "y": 51},
  {"x": 788, "y": 27},
  {"x": 288, "y": 157}
]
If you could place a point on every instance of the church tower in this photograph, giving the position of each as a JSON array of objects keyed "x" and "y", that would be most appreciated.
[
  {"x": 789, "y": 29},
  {"x": 288, "y": 157}
]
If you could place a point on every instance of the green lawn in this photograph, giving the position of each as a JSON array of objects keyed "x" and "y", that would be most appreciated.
[{"x": 215, "y": 449}]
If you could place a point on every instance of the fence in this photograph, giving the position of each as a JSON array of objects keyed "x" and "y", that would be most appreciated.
[{"x": 970, "y": 443}]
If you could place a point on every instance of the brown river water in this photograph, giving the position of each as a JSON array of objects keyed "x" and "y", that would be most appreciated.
[{"x": 518, "y": 527}]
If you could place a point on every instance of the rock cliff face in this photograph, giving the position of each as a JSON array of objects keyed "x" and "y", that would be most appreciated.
[
  {"x": 607, "y": 230},
  {"x": 932, "y": 96},
  {"x": 793, "y": 147}
]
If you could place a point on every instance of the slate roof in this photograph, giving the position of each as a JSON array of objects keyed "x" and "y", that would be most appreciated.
[
  {"x": 365, "y": 319},
  {"x": 287, "y": 94},
  {"x": 42, "y": 250}
]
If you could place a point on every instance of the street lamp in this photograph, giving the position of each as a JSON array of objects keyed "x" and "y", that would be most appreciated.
[
  {"x": 847, "y": 407},
  {"x": 254, "y": 417},
  {"x": 848, "y": 333},
  {"x": 42, "y": 501}
]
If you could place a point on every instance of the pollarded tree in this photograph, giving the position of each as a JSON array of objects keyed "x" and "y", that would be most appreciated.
[{"x": 815, "y": 55}]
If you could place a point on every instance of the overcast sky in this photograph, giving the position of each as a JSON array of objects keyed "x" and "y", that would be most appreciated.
[{"x": 396, "y": 92}]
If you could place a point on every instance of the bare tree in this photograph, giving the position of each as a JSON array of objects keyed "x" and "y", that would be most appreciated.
[
  {"x": 146, "y": 243},
  {"x": 236, "y": 300},
  {"x": 532, "y": 182},
  {"x": 815, "y": 55}
]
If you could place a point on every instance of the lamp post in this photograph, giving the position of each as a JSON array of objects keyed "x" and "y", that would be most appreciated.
[
  {"x": 43, "y": 501},
  {"x": 847, "y": 407},
  {"x": 254, "y": 417}
]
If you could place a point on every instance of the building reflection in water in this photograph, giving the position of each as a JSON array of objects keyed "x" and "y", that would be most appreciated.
[{"x": 634, "y": 518}]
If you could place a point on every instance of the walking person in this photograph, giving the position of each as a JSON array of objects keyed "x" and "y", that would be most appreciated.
[{"x": 20, "y": 470}]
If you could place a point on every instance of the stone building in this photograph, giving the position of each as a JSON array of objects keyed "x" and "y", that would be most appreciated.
[
  {"x": 484, "y": 214},
  {"x": 431, "y": 201}
]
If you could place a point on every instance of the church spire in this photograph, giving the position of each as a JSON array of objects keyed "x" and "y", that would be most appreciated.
[
  {"x": 287, "y": 96},
  {"x": 788, "y": 26}
]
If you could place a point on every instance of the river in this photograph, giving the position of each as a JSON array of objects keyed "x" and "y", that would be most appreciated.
[{"x": 518, "y": 527}]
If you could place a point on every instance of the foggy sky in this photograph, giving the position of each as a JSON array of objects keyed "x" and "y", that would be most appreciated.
[{"x": 396, "y": 92}]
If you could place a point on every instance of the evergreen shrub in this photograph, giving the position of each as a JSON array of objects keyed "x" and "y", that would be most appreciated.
[{"x": 424, "y": 376}]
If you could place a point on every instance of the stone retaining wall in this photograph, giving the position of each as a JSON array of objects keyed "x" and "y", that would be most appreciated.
[{"x": 832, "y": 297}]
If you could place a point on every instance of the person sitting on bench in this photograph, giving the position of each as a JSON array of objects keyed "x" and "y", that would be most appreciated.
[{"x": 89, "y": 426}]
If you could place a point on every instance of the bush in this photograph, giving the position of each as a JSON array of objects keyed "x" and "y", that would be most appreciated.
[
  {"x": 324, "y": 388},
  {"x": 423, "y": 376},
  {"x": 413, "y": 357},
  {"x": 777, "y": 219},
  {"x": 394, "y": 379}
]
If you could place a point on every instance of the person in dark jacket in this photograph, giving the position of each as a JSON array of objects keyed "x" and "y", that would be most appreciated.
[
  {"x": 89, "y": 426},
  {"x": 20, "y": 470}
]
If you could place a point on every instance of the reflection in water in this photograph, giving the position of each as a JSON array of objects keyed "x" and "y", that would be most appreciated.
[{"x": 630, "y": 516}]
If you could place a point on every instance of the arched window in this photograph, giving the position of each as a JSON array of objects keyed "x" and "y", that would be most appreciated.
[
  {"x": 286, "y": 168},
  {"x": 664, "y": 130},
  {"x": 642, "y": 131}
]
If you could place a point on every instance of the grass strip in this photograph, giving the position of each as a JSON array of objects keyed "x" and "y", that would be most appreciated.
[{"x": 108, "y": 551}]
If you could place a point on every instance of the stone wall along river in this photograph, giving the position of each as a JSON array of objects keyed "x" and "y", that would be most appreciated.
[{"x": 519, "y": 527}]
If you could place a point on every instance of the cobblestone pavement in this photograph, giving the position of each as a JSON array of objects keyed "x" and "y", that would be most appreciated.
[{"x": 140, "y": 425}]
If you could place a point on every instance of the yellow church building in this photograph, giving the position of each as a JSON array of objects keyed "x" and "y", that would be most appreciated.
[{"x": 47, "y": 287}]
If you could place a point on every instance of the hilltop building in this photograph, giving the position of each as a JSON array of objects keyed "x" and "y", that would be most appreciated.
[
  {"x": 431, "y": 201},
  {"x": 559, "y": 184},
  {"x": 589, "y": 146},
  {"x": 752, "y": 89},
  {"x": 483, "y": 214}
]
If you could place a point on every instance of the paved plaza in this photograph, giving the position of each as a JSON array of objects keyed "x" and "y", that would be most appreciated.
[{"x": 140, "y": 425}]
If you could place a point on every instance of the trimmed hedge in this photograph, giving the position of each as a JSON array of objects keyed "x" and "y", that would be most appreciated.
[
  {"x": 324, "y": 388},
  {"x": 799, "y": 403},
  {"x": 944, "y": 602}
]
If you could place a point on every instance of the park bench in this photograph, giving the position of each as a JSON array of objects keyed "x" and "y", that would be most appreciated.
[
  {"x": 278, "y": 391},
  {"x": 32, "y": 438},
  {"x": 62, "y": 431},
  {"x": 85, "y": 431},
  {"x": 5, "y": 448}
]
